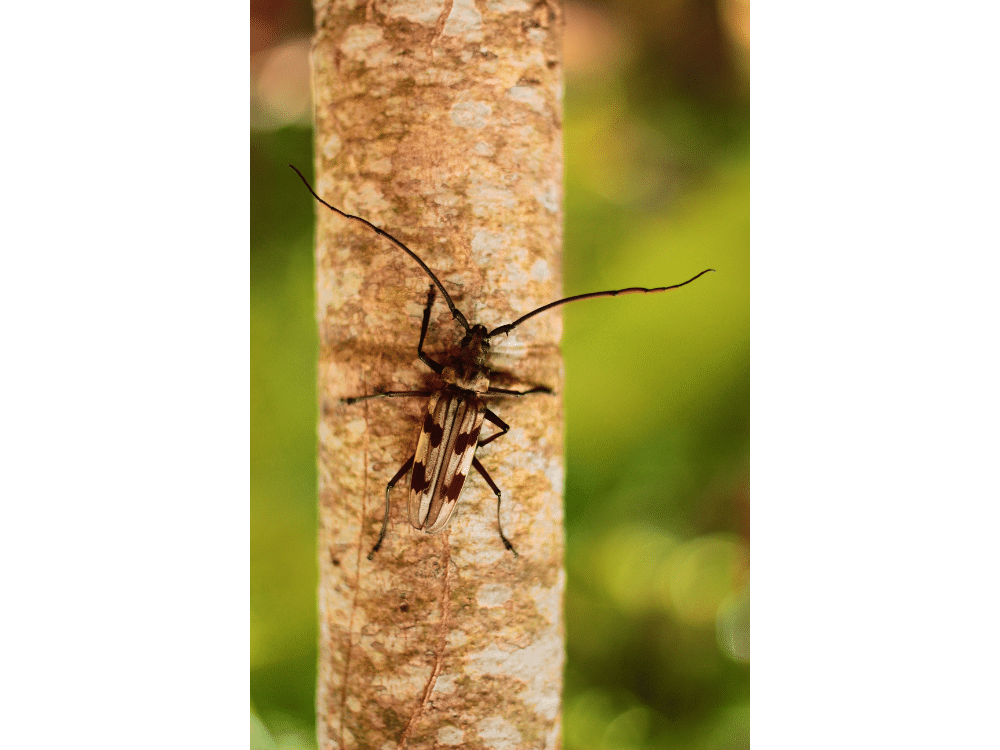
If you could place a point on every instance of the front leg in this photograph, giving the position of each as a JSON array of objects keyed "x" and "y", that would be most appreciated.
[
  {"x": 420, "y": 353},
  {"x": 423, "y": 334}
]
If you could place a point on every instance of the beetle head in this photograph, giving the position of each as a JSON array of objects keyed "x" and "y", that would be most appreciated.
[{"x": 475, "y": 343}]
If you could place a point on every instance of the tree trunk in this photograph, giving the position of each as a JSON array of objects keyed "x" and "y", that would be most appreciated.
[{"x": 439, "y": 122}]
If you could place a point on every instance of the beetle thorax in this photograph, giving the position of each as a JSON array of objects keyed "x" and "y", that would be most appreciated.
[
  {"x": 468, "y": 369},
  {"x": 469, "y": 376}
]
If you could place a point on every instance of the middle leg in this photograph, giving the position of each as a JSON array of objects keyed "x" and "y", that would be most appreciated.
[
  {"x": 507, "y": 392},
  {"x": 504, "y": 427},
  {"x": 386, "y": 394}
]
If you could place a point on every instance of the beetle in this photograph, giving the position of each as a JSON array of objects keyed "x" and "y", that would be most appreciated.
[{"x": 450, "y": 433}]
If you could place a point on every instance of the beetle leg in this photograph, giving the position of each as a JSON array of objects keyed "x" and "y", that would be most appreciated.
[
  {"x": 507, "y": 392},
  {"x": 496, "y": 490},
  {"x": 423, "y": 334},
  {"x": 499, "y": 423},
  {"x": 386, "y": 394},
  {"x": 385, "y": 519}
]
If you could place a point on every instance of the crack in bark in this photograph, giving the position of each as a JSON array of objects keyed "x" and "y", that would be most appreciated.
[
  {"x": 442, "y": 20},
  {"x": 357, "y": 587},
  {"x": 441, "y": 644}
]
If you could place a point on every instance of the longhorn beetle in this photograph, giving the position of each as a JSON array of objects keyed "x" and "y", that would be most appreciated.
[{"x": 449, "y": 437}]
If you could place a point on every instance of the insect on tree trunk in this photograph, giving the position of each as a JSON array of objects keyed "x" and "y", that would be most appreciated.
[{"x": 440, "y": 122}]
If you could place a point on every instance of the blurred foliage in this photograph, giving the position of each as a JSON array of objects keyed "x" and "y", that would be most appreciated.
[
  {"x": 657, "y": 405},
  {"x": 283, "y": 575}
]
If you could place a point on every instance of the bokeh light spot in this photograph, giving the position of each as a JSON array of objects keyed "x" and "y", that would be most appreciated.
[
  {"x": 733, "y": 625},
  {"x": 700, "y": 574},
  {"x": 630, "y": 558},
  {"x": 628, "y": 731},
  {"x": 282, "y": 87},
  {"x": 586, "y": 718}
]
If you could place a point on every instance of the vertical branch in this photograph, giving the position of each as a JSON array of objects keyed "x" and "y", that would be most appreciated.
[{"x": 440, "y": 122}]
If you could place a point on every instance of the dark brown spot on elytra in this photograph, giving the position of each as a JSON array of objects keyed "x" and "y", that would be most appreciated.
[
  {"x": 419, "y": 481},
  {"x": 437, "y": 432},
  {"x": 455, "y": 488},
  {"x": 428, "y": 422},
  {"x": 463, "y": 441}
]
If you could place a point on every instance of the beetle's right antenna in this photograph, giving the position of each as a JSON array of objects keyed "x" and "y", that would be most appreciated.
[
  {"x": 610, "y": 293},
  {"x": 455, "y": 312}
]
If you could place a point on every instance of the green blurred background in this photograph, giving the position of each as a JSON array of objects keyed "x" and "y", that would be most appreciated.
[{"x": 657, "y": 389}]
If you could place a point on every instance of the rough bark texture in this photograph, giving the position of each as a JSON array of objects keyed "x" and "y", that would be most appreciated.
[{"x": 439, "y": 121}]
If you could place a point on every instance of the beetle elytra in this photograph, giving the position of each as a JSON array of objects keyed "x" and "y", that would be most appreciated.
[{"x": 450, "y": 433}]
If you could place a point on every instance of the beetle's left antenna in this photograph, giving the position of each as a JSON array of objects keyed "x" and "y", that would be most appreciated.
[{"x": 455, "y": 312}]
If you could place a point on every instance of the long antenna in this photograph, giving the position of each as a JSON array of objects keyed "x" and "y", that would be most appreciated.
[
  {"x": 455, "y": 312},
  {"x": 612, "y": 293}
]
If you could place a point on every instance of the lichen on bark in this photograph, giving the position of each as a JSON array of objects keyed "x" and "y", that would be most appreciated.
[{"x": 440, "y": 122}]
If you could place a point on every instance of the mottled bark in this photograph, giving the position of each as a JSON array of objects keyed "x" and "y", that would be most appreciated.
[{"x": 440, "y": 122}]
